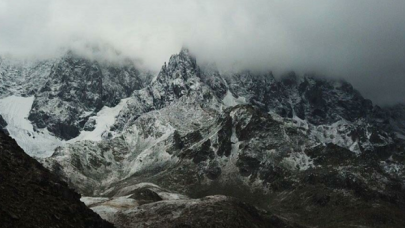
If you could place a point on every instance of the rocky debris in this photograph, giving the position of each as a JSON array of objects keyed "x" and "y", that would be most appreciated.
[
  {"x": 228, "y": 212},
  {"x": 343, "y": 191},
  {"x": 33, "y": 197},
  {"x": 148, "y": 205}
]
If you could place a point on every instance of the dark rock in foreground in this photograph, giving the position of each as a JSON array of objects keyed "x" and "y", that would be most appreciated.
[
  {"x": 3, "y": 125},
  {"x": 30, "y": 196}
]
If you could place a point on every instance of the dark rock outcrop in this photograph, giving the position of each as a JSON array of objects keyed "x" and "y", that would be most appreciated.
[
  {"x": 30, "y": 196},
  {"x": 3, "y": 125}
]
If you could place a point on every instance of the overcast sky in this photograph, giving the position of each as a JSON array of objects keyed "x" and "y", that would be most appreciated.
[{"x": 362, "y": 41}]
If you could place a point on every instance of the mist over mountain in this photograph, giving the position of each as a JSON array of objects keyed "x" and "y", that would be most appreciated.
[
  {"x": 361, "y": 41},
  {"x": 202, "y": 113}
]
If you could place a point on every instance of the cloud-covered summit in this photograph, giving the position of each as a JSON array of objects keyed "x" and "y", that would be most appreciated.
[{"x": 362, "y": 41}]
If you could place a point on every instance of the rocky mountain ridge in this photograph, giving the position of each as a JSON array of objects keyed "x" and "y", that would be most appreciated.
[
  {"x": 297, "y": 146},
  {"x": 61, "y": 97}
]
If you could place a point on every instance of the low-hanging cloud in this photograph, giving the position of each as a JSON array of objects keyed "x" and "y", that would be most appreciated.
[{"x": 362, "y": 41}]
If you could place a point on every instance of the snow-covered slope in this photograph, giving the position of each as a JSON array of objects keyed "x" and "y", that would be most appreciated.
[
  {"x": 15, "y": 111},
  {"x": 100, "y": 124}
]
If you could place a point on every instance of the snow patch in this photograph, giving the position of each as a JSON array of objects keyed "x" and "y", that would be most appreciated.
[
  {"x": 299, "y": 161},
  {"x": 229, "y": 100},
  {"x": 105, "y": 118},
  {"x": 392, "y": 167},
  {"x": 399, "y": 135},
  {"x": 15, "y": 111},
  {"x": 90, "y": 201}
]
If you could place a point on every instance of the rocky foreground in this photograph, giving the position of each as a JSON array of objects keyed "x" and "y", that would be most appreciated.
[
  {"x": 31, "y": 196},
  {"x": 148, "y": 205}
]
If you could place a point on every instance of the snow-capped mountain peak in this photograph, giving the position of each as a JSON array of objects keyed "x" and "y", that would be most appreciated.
[{"x": 198, "y": 131}]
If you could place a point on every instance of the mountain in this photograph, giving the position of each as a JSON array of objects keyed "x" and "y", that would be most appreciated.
[
  {"x": 307, "y": 149},
  {"x": 52, "y": 101},
  {"x": 31, "y": 196},
  {"x": 76, "y": 88}
]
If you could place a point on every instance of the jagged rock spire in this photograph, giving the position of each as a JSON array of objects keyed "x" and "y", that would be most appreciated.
[{"x": 184, "y": 51}]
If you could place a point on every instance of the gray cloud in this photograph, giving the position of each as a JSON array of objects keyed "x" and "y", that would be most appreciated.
[{"x": 362, "y": 41}]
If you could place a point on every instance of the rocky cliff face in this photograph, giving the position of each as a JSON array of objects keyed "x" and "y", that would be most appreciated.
[
  {"x": 22, "y": 77},
  {"x": 311, "y": 98},
  {"x": 179, "y": 81},
  {"x": 78, "y": 88},
  {"x": 49, "y": 102},
  {"x": 70, "y": 89},
  {"x": 33, "y": 197}
]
